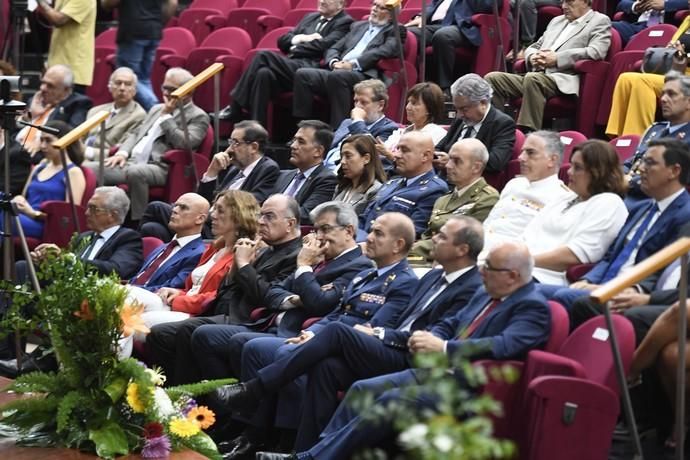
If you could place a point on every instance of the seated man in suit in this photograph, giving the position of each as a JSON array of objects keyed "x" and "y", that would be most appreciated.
[
  {"x": 524, "y": 196},
  {"x": 138, "y": 162},
  {"x": 352, "y": 59},
  {"x": 312, "y": 183},
  {"x": 472, "y": 196},
  {"x": 675, "y": 109},
  {"x": 255, "y": 270},
  {"x": 415, "y": 191},
  {"x": 55, "y": 100},
  {"x": 449, "y": 26},
  {"x": 169, "y": 265},
  {"x": 504, "y": 320},
  {"x": 125, "y": 113},
  {"x": 371, "y": 98},
  {"x": 107, "y": 245},
  {"x": 580, "y": 33},
  {"x": 375, "y": 296},
  {"x": 475, "y": 117},
  {"x": 271, "y": 73},
  {"x": 245, "y": 167},
  {"x": 651, "y": 225},
  {"x": 639, "y": 15},
  {"x": 338, "y": 354}
]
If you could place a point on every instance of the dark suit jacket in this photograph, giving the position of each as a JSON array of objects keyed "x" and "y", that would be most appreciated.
[
  {"x": 259, "y": 183},
  {"x": 174, "y": 271},
  {"x": 497, "y": 134},
  {"x": 460, "y": 14},
  {"x": 122, "y": 253},
  {"x": 316, "y": 301},
  {"x": 521, "y": 322},
  {"x": 447, "y": 304},
  {"x": 334, "y": 30},
  {"x": 379, "y": 301},
  {"x": 72, "y": 110},
  {"x": 663, "y": 232},
  {"x": 245, "y": 289},
  {"x": 383, "y": 46},
  {"x": 318, "y": 188},
  {"x": 670, "y": 7}
]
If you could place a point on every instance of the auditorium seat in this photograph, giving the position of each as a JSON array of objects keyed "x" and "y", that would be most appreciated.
[
  {"x": 176, "y": 40},
  {"x": 625, "y": 145}
]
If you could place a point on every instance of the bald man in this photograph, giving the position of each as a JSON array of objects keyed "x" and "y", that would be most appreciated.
[
  {"x": 472, "y": 196},
  {"x": 169, "y": 265},
  {"x": 485, "y": 328},
  {"x": 417, "y": 188}
]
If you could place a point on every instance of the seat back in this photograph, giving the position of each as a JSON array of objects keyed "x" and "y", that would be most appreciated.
[
  {"x": 176, "y": 40},
  {"x": 149, "y": 243},
  {"x": 235, "y": 39},
  {"x": 658, "y": 35},
  {"x": 500, "y": 179},
  {"x": 560, "y": 327},
  {"x": 396, "y": 91},
  {"x": 102, "y": 68},
  {"x": 106, "y": 39},
  {"x": 589, "y": 345},
  {"x": 90, "y": 183},
  {"x": 306, "y": 5},
  {"x": 222, "y": 6},
  {"x": 570, "y": 139},
  {"x": 247, "y": 16},
  {"x": 194, "y": 20},
  {"x": 293, "y": 17},
  {"x": 625, "y": 145}
]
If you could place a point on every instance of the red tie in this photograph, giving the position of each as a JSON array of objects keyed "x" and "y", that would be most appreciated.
[
  {"x": 478, "y": 320},
  {"x": 144, "y": 276}
]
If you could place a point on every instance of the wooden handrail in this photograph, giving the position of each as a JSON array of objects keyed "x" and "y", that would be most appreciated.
[
  {"x": 192, "y": 84},
  {"x": 640, "y": 271},
  {"x": 81, "y": 130}
]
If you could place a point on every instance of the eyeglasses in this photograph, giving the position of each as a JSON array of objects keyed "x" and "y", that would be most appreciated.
[
  {"x": 487, "y": 266},
  {"x": 326, "y": 229},
  {"x": 236, "y": 142},
  {"x": 168, "y": 89},
  {"x": 116, "y": 83},
  {"x": 92, "y": 208}
]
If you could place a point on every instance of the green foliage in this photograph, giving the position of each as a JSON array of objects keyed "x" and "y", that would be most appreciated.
[
  {"x": 195, "y": 389},
  {"x": 460, "y": 425},
  {"x": 110, "y": 440},
  {"x": 203, "y": 444}
]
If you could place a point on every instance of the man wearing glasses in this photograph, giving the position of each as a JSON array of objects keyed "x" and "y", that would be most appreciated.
[
  {"x": 476, "y": 118},
  {"x": 125, "y": 113},
  {"x": 138, "y": 162}
]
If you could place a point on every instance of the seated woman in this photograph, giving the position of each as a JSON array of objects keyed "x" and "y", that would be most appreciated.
[
  {"x": 233, "y": 216},
  {"x": 579, "y": 228},
  {"x": 47, "y": 181},
  {"x": 634, "y": 97},
  {"x": 424, "y": 110},
  {"x": 360, "y": 174}
]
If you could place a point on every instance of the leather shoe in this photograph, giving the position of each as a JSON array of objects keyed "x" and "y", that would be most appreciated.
[
  {"x": 228, "y": 114},
  {"x": 30, "y": 363},
  {"x": 232, "y": 397},
  {"x": 275, "y": 456},
  {"x": 239, "y": 448}
]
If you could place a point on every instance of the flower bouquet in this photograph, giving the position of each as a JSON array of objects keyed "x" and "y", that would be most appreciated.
[{"x": 96, "y": 402}]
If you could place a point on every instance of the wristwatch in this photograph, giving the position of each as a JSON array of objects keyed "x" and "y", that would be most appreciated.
[{"x": 379, "y": 332}]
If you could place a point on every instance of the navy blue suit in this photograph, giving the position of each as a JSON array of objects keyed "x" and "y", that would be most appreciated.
[
  {"x": 382, "y": 128},
  {"x": 174, "y": 271},
  {"x": 518, "y": 324},
  {"x": 415, "y": 200},
  {"x": 338, "y": 355},
  {"x": 630, "y": 26}
]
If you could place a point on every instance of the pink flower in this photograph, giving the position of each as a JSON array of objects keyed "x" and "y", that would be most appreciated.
[{"x": 156, "y": 447}]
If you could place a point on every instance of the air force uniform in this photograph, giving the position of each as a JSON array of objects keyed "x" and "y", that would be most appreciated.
[
  {"x": 475, "y": 201},
  {"x": 519, "y": 202},
  {"x": 413, "y": 197}
]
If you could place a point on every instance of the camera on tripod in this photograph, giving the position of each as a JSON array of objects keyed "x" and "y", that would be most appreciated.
[
  {"x": 7, "y": 205},
  {"x": 19, "y": 8}
]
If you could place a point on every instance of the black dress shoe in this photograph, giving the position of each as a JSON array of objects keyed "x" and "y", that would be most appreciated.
[
  {"x": 232, "y": 397},
  {"x": 30, "y": 363},
  {"x": 239, "y": 448},
  {"x": 275, "y": 456},
  {"x": 225, "y": 113}
]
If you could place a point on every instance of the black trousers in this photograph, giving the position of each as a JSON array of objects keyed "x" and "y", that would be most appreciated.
[{"x": 443, "y": 40}]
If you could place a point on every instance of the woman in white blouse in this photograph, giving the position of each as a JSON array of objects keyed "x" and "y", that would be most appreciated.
[
  {"x": 424, "y": 110},
  {"x": 580, "y": 227}
]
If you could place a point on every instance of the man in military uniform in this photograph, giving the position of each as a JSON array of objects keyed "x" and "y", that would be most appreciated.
[
  {"x": 675, "y": 108},
  {"x": 472, "y": 195},
  {"x": 524, "y": 196},
  {"x": 415, "y": 191}
]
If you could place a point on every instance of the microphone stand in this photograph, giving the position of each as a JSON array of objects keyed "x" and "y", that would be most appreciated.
[
  {"x": 403, "y": 69},
  {"x": 422, "y": 44}
]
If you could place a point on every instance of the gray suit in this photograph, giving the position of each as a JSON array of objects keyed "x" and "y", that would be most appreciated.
[
  {"x": 125, "y": 121},
  {"x": 589, "y": 39},
  {"x": 139, "y": 176}
]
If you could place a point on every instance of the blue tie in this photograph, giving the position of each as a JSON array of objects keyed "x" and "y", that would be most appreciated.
[{"x": 624, "y": 255}]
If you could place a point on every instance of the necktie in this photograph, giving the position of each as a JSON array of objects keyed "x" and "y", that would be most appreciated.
[
  {"x": 424, "y": 302},
  {"x": 654, "y": 18},
  {"x": 320, "y": 266},
  {"x": 468, "y": 132},
  {"x": 294, "y": 187},
  {"x": 627, "y": 250},
  {"x": 89, "y": 249},
  {"x": 319, "y": 25},
  {"x": 237, "y": 182},
  {"x": 478, "y": 320},
  {"x": 145, "y": 275}
]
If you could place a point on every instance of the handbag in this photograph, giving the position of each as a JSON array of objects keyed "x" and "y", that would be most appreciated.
[{"x": 658, "y": 60}]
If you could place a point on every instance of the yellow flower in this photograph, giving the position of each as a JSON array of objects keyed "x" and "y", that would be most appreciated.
[
  {"x": 184, "y": 428},
  {"x": 133, "y": 398},
  {"x": 202, "y": 416},
  {"x": 131, "y": 319}
]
